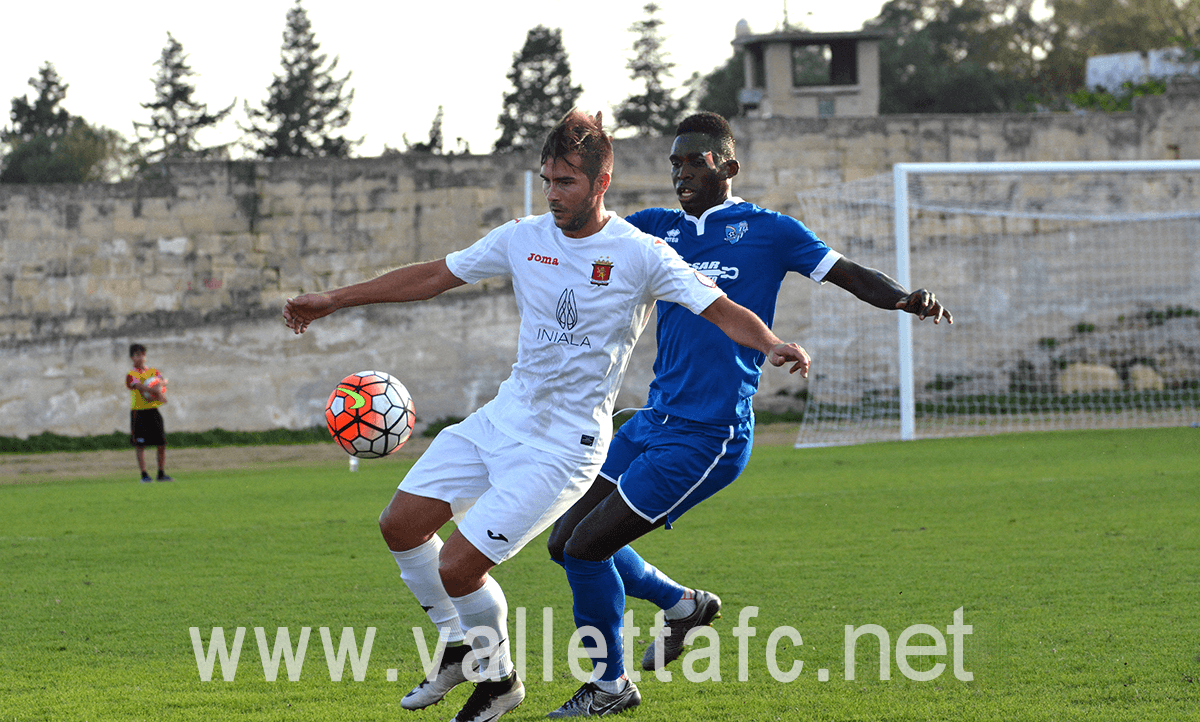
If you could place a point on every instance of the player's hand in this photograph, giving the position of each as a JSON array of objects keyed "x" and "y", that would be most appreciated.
[
  {"x": 300, "y": 311},
  {"x": 922, "y": 304},
  {"x": 785, "y": 352}
]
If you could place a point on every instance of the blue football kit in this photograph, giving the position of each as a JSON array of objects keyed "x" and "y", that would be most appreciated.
[{"x": 695, "y": 437}]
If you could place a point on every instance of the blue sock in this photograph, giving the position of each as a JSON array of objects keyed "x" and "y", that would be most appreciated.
[
  {"x": 644, "y": 581},
  {"x": 600, "y": 603}
]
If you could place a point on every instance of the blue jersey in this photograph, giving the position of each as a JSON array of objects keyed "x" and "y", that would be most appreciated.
[{"x": 700, "y": 373}]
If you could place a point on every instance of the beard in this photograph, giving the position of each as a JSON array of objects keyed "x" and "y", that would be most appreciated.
[{"x": 578, "y": 220}]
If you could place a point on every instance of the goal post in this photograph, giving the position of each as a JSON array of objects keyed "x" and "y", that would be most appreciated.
[{"x": 1074, "y": 287}]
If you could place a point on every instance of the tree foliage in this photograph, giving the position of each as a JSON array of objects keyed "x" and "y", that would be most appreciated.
[
  {"x": 956, "y": 56},
  {"x": 1118, "y": 100},
  {"x": 1080, "y": 29},
  {"x": 970, "y": 56},
  {"x": 717, "y": 92},
  {"x": 45, "y": 116},
  {"x": 542, "y": 91},
  {"x": 46, "y": 144},
  {"x": 176, "y": 117},
  {"x": 305, "y": 104},
  {"x": 655, "y": 110}
]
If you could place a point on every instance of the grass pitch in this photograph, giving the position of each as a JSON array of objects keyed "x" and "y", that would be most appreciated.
[{"x": 1072, "y": 555}]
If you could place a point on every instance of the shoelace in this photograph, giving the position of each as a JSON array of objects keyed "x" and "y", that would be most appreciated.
[{"x": 577, "y": 701}]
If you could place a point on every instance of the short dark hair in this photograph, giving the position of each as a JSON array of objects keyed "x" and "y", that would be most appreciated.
[
  {"x": 136, "y": 348},
  {"x": 712, "y": 125},
  {"x": 581, "y": 133}
]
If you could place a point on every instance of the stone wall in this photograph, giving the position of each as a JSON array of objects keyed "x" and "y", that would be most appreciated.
[{"x": 197, "y": 263}]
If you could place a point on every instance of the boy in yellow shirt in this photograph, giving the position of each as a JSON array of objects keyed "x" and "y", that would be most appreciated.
[{"x": 147, "y": 391}]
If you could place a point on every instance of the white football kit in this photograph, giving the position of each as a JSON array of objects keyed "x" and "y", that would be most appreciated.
[{"x": 519, "y": 462}]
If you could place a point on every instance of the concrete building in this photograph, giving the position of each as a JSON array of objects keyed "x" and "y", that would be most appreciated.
[
  {"x": 798, "y": 74},
  {"x": 1112, "y": 71}
]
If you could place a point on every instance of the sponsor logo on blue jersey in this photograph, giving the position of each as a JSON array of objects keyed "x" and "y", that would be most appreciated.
[
  {"x": 734, "y": 233},
  {"x": 715, "y": 271},
  {"x": 673, "y": 235}
]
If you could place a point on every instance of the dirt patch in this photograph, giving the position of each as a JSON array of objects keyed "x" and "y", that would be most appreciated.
[{"x": 32, "y": 468}]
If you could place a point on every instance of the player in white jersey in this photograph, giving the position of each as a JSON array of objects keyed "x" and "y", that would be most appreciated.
[
  {"x": 696, "y": 435},
  {"x": 584, "y": 282}
]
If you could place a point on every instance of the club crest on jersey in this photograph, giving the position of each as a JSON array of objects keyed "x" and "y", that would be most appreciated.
[
  {"x": 601, "y": 272},
  {"x": 733, "y": 234}
]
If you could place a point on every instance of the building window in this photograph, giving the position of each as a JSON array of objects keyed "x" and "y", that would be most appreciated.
[
  {"x": 756, "y": 56},
  {"x": 832, "y": 63},
  {"x": 810, "y": 64},
  {"x": 825, "y": 108}
]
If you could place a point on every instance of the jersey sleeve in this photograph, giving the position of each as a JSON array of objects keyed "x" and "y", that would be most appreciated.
[
  {"x": 649, "y": 220},
  {"x": 672, "y": 279},
  {"x": 802, "y": 250},
  {"x": 486, "y": 258},
  {"x": 129, "y": 381}
]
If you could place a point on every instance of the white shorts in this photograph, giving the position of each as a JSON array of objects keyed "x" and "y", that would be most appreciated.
[{"x": 502, "y": 493}]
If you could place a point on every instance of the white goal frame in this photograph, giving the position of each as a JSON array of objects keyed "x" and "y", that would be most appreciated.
[{"x": 901, "y": 174}]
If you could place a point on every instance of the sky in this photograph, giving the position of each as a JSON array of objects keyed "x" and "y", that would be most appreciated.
[{"x": 405, "y": 58}]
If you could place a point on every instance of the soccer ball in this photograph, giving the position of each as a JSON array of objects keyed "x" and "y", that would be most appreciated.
[
  {"x": 155, "y": 389},
  {"x": 370, "y": 414}
]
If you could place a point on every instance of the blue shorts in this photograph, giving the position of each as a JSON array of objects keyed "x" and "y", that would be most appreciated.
[{"x": 664, "y": 465}]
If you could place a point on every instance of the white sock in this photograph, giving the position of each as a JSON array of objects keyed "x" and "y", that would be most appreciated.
[
  {"x": 683, "y": 607},
  {"x": 612, "y": 686},
  {"x": 419, "y": 570},
  {"x": 486, "y": 610}
]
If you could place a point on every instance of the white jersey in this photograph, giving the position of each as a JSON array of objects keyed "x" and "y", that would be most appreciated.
[{"x": 583, "y": 303}]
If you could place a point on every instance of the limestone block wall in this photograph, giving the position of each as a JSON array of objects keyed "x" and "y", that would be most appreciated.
[{"x": 197, "y": 263}]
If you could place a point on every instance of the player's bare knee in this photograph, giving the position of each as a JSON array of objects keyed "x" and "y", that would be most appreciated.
[
  {"x": 393, "y": 530},
  {"x": 460, "y": 579}
]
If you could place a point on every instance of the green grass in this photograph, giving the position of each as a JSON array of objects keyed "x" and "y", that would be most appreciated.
[
  {"x": 47, "y": 441},
  {"x": 1073, "y": 556}
]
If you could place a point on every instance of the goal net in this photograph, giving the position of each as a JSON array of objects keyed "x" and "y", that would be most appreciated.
[{"x": 1075, "y": 289}]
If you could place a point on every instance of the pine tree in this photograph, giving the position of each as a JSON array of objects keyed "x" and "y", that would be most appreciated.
[
  {"x": 542, "y": 91},
  {"x": 175, "y": 116},
  {"x": 44, "y": 116},
  {"x": 434, "y": 146},
  {"x": 305, "y": 104},
  {"x": 46, "y": 144},
  {"x": 655, "y": 110}
]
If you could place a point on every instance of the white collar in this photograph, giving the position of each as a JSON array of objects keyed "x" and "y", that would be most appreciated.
[{"x": 699, "y": 222}]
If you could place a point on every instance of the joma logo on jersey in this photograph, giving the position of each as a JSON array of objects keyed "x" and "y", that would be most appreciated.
[
  {"x": 715, "y": 271},
  {"x": 548, "y": 260}
]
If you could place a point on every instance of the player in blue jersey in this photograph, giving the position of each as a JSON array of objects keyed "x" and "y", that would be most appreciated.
[{"x": 696, "y": 435}]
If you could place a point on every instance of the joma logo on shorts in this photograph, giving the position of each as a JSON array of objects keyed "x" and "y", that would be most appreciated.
[{"x": 548, "y": 260}]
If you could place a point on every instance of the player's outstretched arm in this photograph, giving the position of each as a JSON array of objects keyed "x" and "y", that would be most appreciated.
[
  {"x": 882, "y": 291},
  {"x": 746, "y": 328},
  {"x": 417, "y": 282}
]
